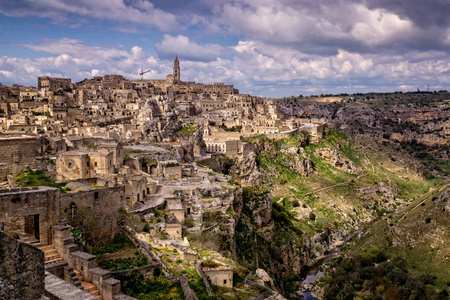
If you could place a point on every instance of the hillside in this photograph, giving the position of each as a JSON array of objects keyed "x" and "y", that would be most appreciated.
[
  {"x": 321, "y": 193},
  {"x": 418, "y": 233}
]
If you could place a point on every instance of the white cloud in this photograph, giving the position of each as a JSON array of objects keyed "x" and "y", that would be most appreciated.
[
  {"x": 377, "y": 26},
  {"x": 138, "y": 11},
  {"x": 74, "y": 59},
  {"x": 330, "y": 24},
  {"x": 186, "y": 49},
  {"x": 251, "y": 66}
]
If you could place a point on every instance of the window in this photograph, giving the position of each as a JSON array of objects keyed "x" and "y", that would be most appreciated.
[
  {"x": 95, "y": 195},
  {"x": 70, "y": 165},
  {"x": 224, "y": 281}
]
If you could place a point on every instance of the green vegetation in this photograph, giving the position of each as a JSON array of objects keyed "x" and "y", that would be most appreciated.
[
  {"x": 129, "y": 151},
  {"x": 232, "y": 128},
  {"x": 37, "y": 178},
  {"x": 135, "y": 285},
  {"x": 187, "y": 128},
  {"x": 416, "y": 234},
  {"x": 120, "y": 264},
  {"x": 210, "y": 264},
  {"x": 264, "y": 249},
  {"x": 119, "y": 242},
  {"x": 197, "y": 285},
  {"x": 374, "y": 275},
  {"x": 38, "y": 113}
]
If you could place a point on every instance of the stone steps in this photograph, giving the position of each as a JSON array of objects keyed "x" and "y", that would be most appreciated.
[
  {"x": 28, "y": 238},
  {"x": 50, "y": 254},
  {"x": 88, "y": 287}
]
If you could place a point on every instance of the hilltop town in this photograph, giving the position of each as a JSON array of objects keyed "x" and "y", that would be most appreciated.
[
  {"x": 184, "y": 178},
  {"x": 141, "y": 146}
]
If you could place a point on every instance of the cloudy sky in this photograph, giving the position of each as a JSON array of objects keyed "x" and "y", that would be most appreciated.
[{"x": 263, "y": 47}]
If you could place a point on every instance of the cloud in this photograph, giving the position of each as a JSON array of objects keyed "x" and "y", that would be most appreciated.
[
  {"x": 251, "y": 65},
  {"x": 430, "y": 13},
  {"x": 186, "y": 49},
  {"x": 74, "y": 59},
  {"x": 60, "y": 11},
  {"x": 322, "y": 26}
]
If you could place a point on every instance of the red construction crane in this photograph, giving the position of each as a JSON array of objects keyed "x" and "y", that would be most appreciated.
[{"x": 143, "y": 72}]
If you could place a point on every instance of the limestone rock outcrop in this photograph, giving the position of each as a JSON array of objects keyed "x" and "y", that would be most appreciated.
[
  {"x": 337, "y": 160},
  {"x": 246, "y": 172},
  {"x": 261, "y": 277}
]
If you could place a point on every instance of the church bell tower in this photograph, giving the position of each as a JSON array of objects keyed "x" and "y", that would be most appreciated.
[{"x": 176, "y": 70}]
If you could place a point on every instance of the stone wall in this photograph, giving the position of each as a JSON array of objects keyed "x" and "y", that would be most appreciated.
[
  {"x": 24, "y": 209},
  {"x": 84, "y": 262},
  {"x": 107, "y": 199},
  {"x": 172, "y": 172},
  {"x": 17, "y": 153},
  {"x": 22, "y": 267}
]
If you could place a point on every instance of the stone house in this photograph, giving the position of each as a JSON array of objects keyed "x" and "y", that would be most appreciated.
[
  {"x": 73, "y": 165},
  {"x": 101, "y": 162},
  {"x": 135, "y": 188},
  {"x": 175, "y": 207},
  {"x": 188, "y": 255},
  {"x": 46, "y": 83},
  {"x": 30, "y": 212},
  {"x": 17, "y": 153},
  {"x": 117, "y": 151},
  {"x": 221, "y": 276},
  {"x": 171, "y": 169},
  {"x": 56, "y": 145}
]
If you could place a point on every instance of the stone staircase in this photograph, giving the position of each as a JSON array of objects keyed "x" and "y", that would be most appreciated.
[
  {"x": 50, "y": 254},
  {"x": 28, "y": 238},
  {"x": 88, "y": 287}
]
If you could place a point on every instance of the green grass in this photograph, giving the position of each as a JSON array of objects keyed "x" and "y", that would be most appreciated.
[
  {"x": 135, "y": 285},
  {"x": 37, "y": 178},
  {"x": 406, "y": 234},
  {"x": 187, "y": 128},
  {"x": 120, "y": 264},
  {"x": 119, "y": 243}
]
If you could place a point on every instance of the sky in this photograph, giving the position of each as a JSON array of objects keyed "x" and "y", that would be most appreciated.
[{"x": 270, "y": 48}]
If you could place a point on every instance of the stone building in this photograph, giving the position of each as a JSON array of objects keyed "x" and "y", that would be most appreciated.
[
  {"x": 136, "y": 189},
  {"x": 228, "y": 143},
  {"x": 46, "y": 83},
  {"x": 17, "y": 153},
  {"x": 171, "y": 169},
  {"x": 101, "y": 162},
  {"x": 221, "y": 276},
  {"x": 176, "y": 70},
  {"x": 84, "y": 165},
  {"x": 188, "y": 255},
  {"x": 117, "y": 153},
  {"x": 30, "y": 212},
  {"x": 174, "y": 206},
  {"x": 104, "y": 198},
  {"x": 73, "y": 165}
]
